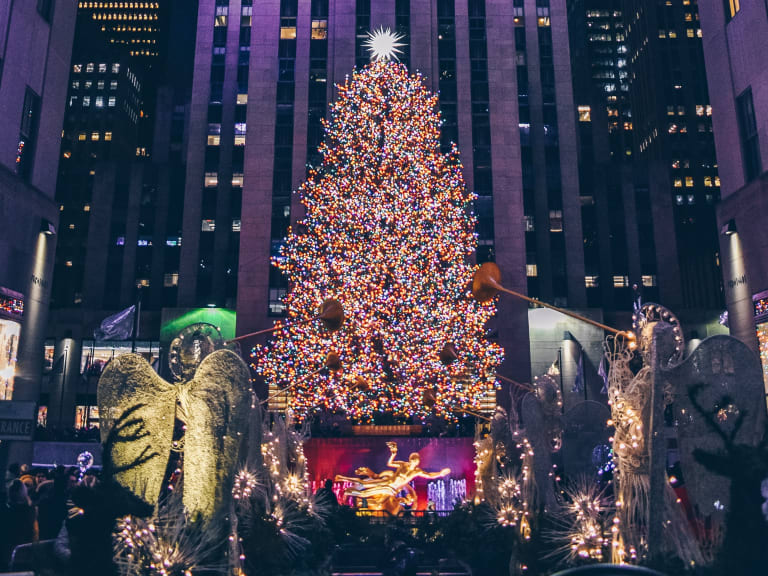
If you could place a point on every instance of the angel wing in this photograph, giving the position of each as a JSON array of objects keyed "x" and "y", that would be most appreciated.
[
  {"x": 722, "y": 377},
  {"x": 136, "y": 415},
  {"x": 215, "y": 406}
]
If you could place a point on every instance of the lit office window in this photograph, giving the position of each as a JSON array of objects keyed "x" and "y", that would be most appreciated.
[{"x": 732, "y": 8}]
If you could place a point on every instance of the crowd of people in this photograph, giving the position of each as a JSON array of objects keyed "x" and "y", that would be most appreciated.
[{"x": 35, "y": 504}]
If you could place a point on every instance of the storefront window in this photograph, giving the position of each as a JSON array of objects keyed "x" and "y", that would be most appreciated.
[
  {"x": 96, "y": 353},
  {"x": 10, "y": 331}
]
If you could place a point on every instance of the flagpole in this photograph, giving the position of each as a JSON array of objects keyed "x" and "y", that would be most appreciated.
[{"x": 136, "y": 313}]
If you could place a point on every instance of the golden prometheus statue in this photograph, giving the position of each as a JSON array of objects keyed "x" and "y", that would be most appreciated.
[{"x": 382, "y": 492}]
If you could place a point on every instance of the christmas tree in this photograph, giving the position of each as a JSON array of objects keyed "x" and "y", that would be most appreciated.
[{"x": 389, "y": 233}]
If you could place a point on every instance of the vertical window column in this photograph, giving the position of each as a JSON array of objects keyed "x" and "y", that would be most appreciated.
[
  {"x": 403, "y": 26},
  {"x": 283, "y": 160},
  {"x": 362, "y": 27},
  {"x": 318, "y": 79},
  {"x": 446, "y": 51},
  {"x": 481, "y": 130}
]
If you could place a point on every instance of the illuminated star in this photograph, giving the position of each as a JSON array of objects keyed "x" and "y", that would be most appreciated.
[{"x": 384, "y": 44}]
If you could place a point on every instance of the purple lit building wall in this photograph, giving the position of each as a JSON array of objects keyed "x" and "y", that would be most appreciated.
[
  {"x": 735, "y": 43},
  {"x": 35, "y": 48},
  {"x": 264, "y": 78}
]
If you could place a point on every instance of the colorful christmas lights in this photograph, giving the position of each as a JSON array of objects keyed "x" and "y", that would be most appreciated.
[{"x": 388, "y": 232}]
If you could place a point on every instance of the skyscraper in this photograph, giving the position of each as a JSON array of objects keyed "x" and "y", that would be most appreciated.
[
  {"x": 647, "y": 167},
  {"x": 675, "y": 169},
  {"x": 117, "y": 203},
  {"x": 35, "y": 45},
  {"x": 264, "y": 74},
  {"x": 735, "y": 34}
]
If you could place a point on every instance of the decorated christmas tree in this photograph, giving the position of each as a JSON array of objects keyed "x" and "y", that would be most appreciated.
[{"x": 389, "y": 233}]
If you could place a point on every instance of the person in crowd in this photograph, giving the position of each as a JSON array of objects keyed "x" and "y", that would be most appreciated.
[
  {"x": 52, "y": 504},
  {"x": 19, "y": 520},
  {"x": 326, "y": 494},
  {"x": 13, "y": 472}
]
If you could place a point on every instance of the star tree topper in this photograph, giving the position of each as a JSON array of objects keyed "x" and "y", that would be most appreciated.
[{"x": 383, "y": 44}]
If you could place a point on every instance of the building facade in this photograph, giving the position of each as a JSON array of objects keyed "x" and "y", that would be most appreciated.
[
  {"x": 734, "y": 33},
  {"x": 675, "y": 168},
  {"x": 120, "y": 206},
  {"x": 35, "y": 46},
  {"x": 264, "y": 75}
]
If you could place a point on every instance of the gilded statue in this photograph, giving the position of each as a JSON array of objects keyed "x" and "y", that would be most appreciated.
[{"x": 383, "y": 491}]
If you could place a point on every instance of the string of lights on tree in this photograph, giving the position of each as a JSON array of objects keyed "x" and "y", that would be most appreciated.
[{"x": 388, "y": 232}]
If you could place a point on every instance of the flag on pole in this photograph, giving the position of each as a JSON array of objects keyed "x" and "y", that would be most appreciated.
[
  {"x": 603, "y": 373},
  {"x": 116, "y": 327},
  {"x": 578, "y": 384}
]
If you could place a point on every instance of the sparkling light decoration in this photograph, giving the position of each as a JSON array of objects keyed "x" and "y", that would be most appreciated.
[
  {"x": 584, "y": 529},
  {"x": 383, "y": 44},
  {"x": 388, "y": 232},
  {"x": 244, "y": 484},
  {"x": 165, "y": 545}
]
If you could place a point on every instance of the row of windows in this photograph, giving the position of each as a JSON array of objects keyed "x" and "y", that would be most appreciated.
[
  {"x": 212, "y": 179},
  {"x": 90, "y": 67},
  {"x": 122, "y": 16},
  {"x": 98, "y": 101},
  {"x": 120, "y": 5},
  {"x": 620, "y": 281},
  {"x": 708, "y": 181},
  {"x": 209, "y": 225},
  {"x": 88, "y": 84},
  {"x": 689, "y": 32},
  {"x": 691, "y": 199},
  {"x": 94, "y": 136}
]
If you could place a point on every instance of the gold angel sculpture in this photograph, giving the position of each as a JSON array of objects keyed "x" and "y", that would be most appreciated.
[
  {"x": 382, "y": 491},
  {"x": 139, "y": 411}
]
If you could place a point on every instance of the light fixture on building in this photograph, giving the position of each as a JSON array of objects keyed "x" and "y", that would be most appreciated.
[
  {"x": 47, "y": 227},
  {"x": 728, "y": 228}
]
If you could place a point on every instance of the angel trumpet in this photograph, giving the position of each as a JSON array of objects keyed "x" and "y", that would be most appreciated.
[
  {"x": 487, "y": 283},
  {"x": 330, "y": 314}
]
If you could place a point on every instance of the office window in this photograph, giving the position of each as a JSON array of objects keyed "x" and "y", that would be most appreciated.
[
  {"x": 555, "y": 220},
  {"x": 591, "y": 281},
  {"x": 113, "y": 85},
  {"x": 89, "y": 67},
  {"x": 95, "y": 136},
  {"x": 27, "y": 132},
  {"x": 732, "y": 8},
  {"x": 77, "y": 68},
  {"x": 208, "y": 226},
  {"x": 81, "y": 137},
  {"x": 750, "y": 146},
  {"x": 221, "y": 15},
  {"x": 620, "y": 281},
  {"x": 108, "y": 136},
  {"x": 585, "y": 114},
  {"x": 211, "y": 179},
  {"x": 214, "y": 134},
  {"x": 102, "y": 68},
  {"x": 112, "y": 101},
  {"x": 115, "y": 68},
  {"x": 531, "y": 270},
  {"x": 99, "y": 101},
  {"x": 319, "y": 29}
]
